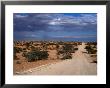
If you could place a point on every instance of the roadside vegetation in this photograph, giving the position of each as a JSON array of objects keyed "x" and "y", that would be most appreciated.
[
  {"x": 38, "y": 50},
  {"x": 91, "y": 48}
]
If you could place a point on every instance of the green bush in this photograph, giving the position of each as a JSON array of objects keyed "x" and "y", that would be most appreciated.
[
  {"x": 24, "y": 49},
  {"x": 32, "y": 48},
  {"x": 67, "y": 47},
  {"x": 61, "y": 52},
  {"x": 27, "y": 44},
  {"x": 36, "y": 55},
  {"x": 18, "y": 62},
  {"x": 24, "y": 54},
  {"x": 93, "y": 51},
  {"x": 90, "y": 49},
  {"x": 17, "y": 50},
  {"x": 67, "y": 56},
  {"x": 66, "y": 51},
  {"x": 75, "y": 48},
  {"x": 57, "y": 46},
  {"x": 44, "y": 47},
  {"x": 15, "y": 57}
]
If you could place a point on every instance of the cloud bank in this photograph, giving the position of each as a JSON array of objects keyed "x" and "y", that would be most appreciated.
[{"x": 50, "y": 25}]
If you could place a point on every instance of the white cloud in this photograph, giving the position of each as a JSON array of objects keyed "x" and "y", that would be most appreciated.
[
  {"x": 29, "y": 26},
  {"x": 89, "y": 18},
  {"x": 20, "y": 16},
  {"x": 61, "y": 19},
  {"x": 82, "y": 20}
]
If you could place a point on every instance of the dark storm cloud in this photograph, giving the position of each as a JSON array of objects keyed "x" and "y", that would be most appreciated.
[
  {"x": 42, "y": 22},
  {"x": 48, "y": 26}
]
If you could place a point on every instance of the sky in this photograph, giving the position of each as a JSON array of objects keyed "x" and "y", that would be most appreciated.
[{"x": 55, "y": 26}]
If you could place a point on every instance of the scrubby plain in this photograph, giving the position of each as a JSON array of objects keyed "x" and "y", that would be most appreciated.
[{"x": 55, "y": 58}]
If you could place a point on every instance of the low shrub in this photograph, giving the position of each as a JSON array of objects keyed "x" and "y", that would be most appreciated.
[
  {"x": 68, "y": 56},
  {"x": 36, "y": 55},
  {"x": 75, "y": 48},
  {"x": 15, "y": 57},
  {"x": 24, "y": 54},
  {"x": 67, "y": 47},
  {"x": 61, "y": 52},
  {"x": 24, "y": 49},
  {"x": 18, "y": 62},
  {"x": 17, "y": 50},
  {"x": 90, "y": 50},
  {"x": 93, "y": 51}
]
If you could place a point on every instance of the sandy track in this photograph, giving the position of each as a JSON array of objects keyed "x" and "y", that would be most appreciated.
[{"x": 78, "y": 65}]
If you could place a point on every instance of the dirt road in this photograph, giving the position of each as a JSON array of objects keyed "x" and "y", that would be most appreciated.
[{"x": 78, "y": 65}]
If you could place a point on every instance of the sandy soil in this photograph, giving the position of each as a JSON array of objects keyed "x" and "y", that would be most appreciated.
[
  {"x": 24, "y": 65},
  {"x": 52, "y": 54},
  {"x": 78, "y": 65}
]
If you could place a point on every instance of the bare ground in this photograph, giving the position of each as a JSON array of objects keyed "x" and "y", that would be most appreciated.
[
  {"x": 78, "y": 65},
  {"x": 22, "y": 64}
]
